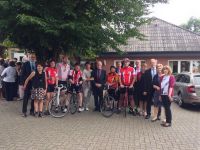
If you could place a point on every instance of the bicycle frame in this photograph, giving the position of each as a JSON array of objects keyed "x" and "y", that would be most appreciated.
[
  {"x": 58, "y": 95},
  {"x": 125, "y": 102}
]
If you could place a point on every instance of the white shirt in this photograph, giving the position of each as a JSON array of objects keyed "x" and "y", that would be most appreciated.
[
  {"x": 63, "y": 72},
  {"x": 86, "y": 74},
  {"x": 9, "y": 73},
  {"x": 153, "y": 72},
  {"x": 165, "y": 85}
]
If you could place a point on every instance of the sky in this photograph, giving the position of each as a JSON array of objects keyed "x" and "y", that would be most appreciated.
[{"x": 177, "y": 11}]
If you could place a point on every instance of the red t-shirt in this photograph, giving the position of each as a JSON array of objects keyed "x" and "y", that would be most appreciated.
[
  {"x": 52, "y": 74},
  {"x": 127, "y": 75}
]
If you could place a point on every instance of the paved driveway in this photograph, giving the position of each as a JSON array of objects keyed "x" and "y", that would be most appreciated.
[{"x": 91, "y": 131}]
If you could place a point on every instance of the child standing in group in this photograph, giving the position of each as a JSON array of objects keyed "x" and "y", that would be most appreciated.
[{"x": 39, "y": 84}]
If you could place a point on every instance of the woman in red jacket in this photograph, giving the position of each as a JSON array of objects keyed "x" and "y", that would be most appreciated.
[{"x": 167, "y": 92}]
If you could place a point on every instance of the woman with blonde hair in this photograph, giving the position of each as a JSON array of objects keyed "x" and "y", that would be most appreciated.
[
  {"x": 167, "y": 92},
  {"x": 156, "y": 96}
]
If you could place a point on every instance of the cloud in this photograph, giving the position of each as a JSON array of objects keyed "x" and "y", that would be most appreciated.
[{"x": 177, "y": 11}]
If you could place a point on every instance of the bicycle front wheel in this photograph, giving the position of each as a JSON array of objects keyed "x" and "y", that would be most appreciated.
[
  {"x": 73, "y": 106},
  {"x": 107, "y": 106},
  {"x": 55, "y": 110}
]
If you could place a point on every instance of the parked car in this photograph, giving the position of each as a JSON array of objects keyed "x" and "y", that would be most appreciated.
[{"x": 187, "y": 89}]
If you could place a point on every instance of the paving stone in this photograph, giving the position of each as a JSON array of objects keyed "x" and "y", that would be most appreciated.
[{"x": 91, "y": 131}]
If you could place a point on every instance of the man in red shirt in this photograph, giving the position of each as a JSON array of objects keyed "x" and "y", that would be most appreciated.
[{"x": 127, "y": 80}]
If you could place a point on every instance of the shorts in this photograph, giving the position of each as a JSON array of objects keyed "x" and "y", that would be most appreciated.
[
  {"x": 113, "y": 93},
  {"x": 51, "y": 88},
  {"x": 38, "y": 94},
  {"x": 77, "y": 88},
  {"x": 64, "y": 83},
  {"x": 130, "y": 91}
]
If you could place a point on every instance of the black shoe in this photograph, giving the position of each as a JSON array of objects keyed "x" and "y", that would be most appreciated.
[
  {"x": 32, "y": 113},
  {"x": 134, "y": 113},
  {"x": 137, "y": 112},
  {"x": 147, "y": 117},
  {"x": 24, "y": 115},
  {"x": 36, "y": 114},
  {"x": 158, "y": 118},
  {"x": 40, "y": 115}
]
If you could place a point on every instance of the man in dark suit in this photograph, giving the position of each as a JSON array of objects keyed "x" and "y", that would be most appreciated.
[
  {"x": 99, "y": 76},
  {"x": 27, "y": 68},
  {"x": 148, "y": 86}
]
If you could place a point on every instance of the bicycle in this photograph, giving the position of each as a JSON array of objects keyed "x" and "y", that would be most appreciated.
[
  {"x": 125, "y": 101},
  {"x": 73, "y": 103},
  {"x": 107, "y": 106},
  {"x": 55, "y": 107}
]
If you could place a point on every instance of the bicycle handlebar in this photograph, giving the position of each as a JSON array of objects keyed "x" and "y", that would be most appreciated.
[{"x": 60, "y": 86}]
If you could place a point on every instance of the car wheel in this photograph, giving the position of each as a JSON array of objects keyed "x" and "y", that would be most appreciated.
[{"x": 180, "y": 100}]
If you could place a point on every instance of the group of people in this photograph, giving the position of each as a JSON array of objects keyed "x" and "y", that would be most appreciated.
[
  {"x": 37, "y": 82},
  {"x": 144, "y": 86}
]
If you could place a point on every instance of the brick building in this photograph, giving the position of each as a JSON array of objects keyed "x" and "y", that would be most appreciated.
[{"x": 170, "y": 44}]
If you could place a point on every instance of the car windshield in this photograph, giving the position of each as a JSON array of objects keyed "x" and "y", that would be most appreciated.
[{"x": 197, "y": 79}]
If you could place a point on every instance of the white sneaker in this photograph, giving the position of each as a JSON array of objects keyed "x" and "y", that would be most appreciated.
[
  {"x": 64, "y": 110},
  {"x": 87, "y": 109},
  {"x": 80, "y": 109}
]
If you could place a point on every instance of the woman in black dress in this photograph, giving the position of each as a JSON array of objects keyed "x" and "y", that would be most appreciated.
[
  {"x": 142, "y": 98},
  {"x": 39, "y": 85}
]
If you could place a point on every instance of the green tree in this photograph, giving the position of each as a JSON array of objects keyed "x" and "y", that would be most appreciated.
[
  {"x": 78, "y": 27},
  {"x": 193, "y": 25}
]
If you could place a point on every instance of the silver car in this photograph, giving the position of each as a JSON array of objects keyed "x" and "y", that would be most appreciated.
[{"x": 187, "y": 89}]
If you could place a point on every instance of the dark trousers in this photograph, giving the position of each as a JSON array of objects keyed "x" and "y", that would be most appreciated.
[
  {"x": 3, "y": 89},
  {"x": 98, "y": 97},
  {"x": 149, "y": 103},
  {"x": 9, "y": 90},
  {"x": 15, "y": 89},
  {"x": 27, "y": 94},
  {"x": 167, "y": 104},
  {"x": 136, "y": 98}
]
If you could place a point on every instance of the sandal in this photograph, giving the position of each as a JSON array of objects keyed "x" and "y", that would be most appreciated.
[{"x": 154, "y": 119}]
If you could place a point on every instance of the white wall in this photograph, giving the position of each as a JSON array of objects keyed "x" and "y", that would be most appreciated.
[{"x": 18, "y": 55}]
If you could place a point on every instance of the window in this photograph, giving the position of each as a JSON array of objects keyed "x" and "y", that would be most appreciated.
[
  {"x": 197, "y": 80},
  {"x": 183, "y": 78},
  {"x": 185, "y": 66},
  {"x": 178, "y": 77},
  {"x": 186, "y": 79},
  {"x": 195, "y": 66},
  {"x": 174, "y": 66}
]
